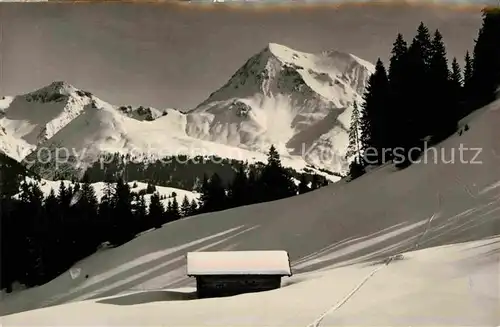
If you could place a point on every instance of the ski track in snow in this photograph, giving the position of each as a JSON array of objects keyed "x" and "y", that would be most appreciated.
[
  {"x": 429, "y": 222},
  {"x": 339, "y": 304}
]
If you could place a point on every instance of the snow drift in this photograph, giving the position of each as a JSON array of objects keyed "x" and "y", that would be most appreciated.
[{"x": 454, "y": 285}]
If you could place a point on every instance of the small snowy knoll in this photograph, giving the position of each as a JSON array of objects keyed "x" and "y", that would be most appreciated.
[
  {"x": 100, "y": 187},
  {"x": 450, "y": 285},
  {"x": 383, "y": 213}
]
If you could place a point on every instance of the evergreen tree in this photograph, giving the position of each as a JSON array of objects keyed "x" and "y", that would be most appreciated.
[
  {"x": 150, "y": 188},
  {"x": 174, "y": 210},
  {"x": 439, "y": 63},
  {"x": 85, "y": 230},
  {"x": 273, "y": 157},
  {"x": 377, "y": 127},
  {"x": 64, "y": 197},
  {"x": 109, "y": 190},
  {"x": 10, "y": 177},
  {"x": 205, "y": 192},
  {"x": 168, "y": 211},
  {"x": 456, "y": 74},
  {"x": 276, "y": 182},
  {"x": 238, "y": 189},
  {"x": 71, "y": 193},
  {"x": 141, "y": 213},
  {"x": 193, "y": 208},
  {"x": 51, "y": 207},
  {"x": 441, "y": 112},
  {"x": 355, "y": 170},
  {"x": 53, "y": 249},
  {"x": 185, "y": 207},
  {"x": 303, "y": 184},
  {"x": 397, "y": 61},
  {"x": 253, "y": 187},
  {"x": 456, "y": 90},
  {"x": 35, "y": 199},
  {"x": 11, "y": 236},
  {"x": 354, "y": 148},
  {"x": 315, "y": 182},
  {"x": 414, "y": 111},
  {"x": 156, "y": 212},
  {"x": 34, "y": 265},
  {"x": 467, "y": 69},
  {"x": 31, "y": 263},
  {"x": 105, "y": 211},
  {"x": 88, "y": 200},
  {"x": 122, "y": 213},
  {"x": 214, "y": 195},
  {"x": 36, "y": 242},
  {"x": 76, "y": 187},
  {"x": 486, "y": 63},
  {"x": 32, "y": 200},
  {"x": 395, "y": 102},
  {"x": 423, "y": 43}
]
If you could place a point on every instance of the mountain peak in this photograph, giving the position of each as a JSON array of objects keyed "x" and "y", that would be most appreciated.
[
  {"x": 276, "y": 48},
  {"x": 56, "y": 91},
  {"x": 340, "y": 61},
  {"x": 283, "y": 53},
  {"x": 56, "y": 87},
  {"x": 286, "y": 97}
]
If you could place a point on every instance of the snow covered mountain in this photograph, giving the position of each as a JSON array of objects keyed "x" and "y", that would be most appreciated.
[
  {"x": 32, "y": 119},
  {"x": 297, "y": 101},
  {"x": 61, "y": 121}
]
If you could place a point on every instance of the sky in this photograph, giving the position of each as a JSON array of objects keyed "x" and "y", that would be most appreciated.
[{"x": 171, "y": 56}]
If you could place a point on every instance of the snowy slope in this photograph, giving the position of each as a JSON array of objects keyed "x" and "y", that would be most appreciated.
[
  {"x": 103, "y": 129},
  {"x": 299, "y": 101},
  {"x": 99, "y": 188},
  {"x": 383, "y": 213},
  {"x": 15, "y": 147},
  {"x": 454, "y": 285}
]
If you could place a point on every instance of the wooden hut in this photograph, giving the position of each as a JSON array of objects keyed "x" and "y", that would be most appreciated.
[{"x": 225, "y": 273}]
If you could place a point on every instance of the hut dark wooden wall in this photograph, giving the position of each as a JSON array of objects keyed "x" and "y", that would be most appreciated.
[{"x": 227, "y": 285}]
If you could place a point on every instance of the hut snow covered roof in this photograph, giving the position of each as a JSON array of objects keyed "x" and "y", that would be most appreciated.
[{"x": 238, "y": 263}]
